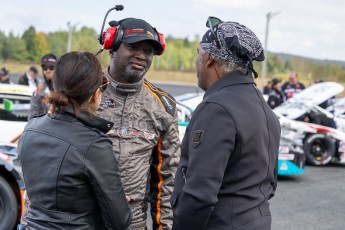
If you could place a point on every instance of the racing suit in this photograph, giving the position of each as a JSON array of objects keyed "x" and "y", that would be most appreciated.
[
  {"x": 38, "y": 101},
  {"x": 146, "y": 144}
]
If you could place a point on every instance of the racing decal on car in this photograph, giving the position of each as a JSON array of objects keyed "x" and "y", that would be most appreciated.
[{"x": 5, "y": 157}]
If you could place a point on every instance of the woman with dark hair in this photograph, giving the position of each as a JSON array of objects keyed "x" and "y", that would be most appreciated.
[{"x": 70, "y": 171}]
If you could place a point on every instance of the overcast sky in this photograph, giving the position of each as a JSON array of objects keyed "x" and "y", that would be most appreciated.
[{"x": 310, "y": 28}]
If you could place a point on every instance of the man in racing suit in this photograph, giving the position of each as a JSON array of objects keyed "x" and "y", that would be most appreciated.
[
  {"x": 38, "y": 102},
  {"x": 145, "y": 132},
  {"x": 292, "y": 86}
]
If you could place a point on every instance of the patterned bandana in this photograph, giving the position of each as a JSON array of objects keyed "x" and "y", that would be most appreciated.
[{"x": 238, "y": 44}]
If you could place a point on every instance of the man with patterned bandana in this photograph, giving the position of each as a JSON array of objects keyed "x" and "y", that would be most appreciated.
[{"x": 228, "y": 167}]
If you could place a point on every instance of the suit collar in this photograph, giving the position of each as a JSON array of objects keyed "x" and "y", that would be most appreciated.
[{"x": 234, "y": 78}]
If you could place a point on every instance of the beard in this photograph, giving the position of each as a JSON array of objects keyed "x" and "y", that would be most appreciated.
[{"x": 130, "y": 75}]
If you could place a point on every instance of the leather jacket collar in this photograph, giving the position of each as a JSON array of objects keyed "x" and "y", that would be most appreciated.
[{"x": 67, "y": 113}]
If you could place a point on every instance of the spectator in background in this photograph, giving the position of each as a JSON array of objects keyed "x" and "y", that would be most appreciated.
[
  {"x": 29, "y": 78},
  {"x": 292, "y": 86},
  {"x": 267, "y": 88},
  {"x": 4, "y": 78},
  {"x": 276, "y": 96},
  {"x": 38, "y": 102}
]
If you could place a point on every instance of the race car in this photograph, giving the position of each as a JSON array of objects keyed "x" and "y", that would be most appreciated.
[
  {"x": 291, "y": 157},
  {"x": 322, "y": 132},
  {"x": 14, "y": 106},
  {"x": 11, "y": 187}
]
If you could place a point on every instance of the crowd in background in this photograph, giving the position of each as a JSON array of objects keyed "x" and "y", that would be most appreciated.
[{"x": 278, "y": 93}]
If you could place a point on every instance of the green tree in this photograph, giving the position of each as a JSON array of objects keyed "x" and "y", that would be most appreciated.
[
  {"x": 85, "y": 39},
  {"x": 42, "y": 46},
  {"x": 57, "y": 42},
  {"x": 15, "y": 48},
  {"x": 2, "y": 44},
  {"x": 29, "y": 37}
]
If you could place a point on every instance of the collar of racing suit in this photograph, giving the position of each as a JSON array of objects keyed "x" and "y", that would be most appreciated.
[{"x": 124, "y": 89}]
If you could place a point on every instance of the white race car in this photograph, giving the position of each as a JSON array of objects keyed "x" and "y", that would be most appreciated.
[
  {"x": 320, "y": 144},
  {"x": 14, "y": 106},
  {"x": 291, "y": 158},
  {"x": 322, "y": 131}
]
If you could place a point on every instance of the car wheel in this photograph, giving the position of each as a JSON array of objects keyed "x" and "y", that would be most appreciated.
[
  {"x": 319, "y": 149},
  {"x": 8, "y": 206}
]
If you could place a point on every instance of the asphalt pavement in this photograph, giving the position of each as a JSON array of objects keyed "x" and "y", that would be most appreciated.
[{"x": 314, "y": 200}]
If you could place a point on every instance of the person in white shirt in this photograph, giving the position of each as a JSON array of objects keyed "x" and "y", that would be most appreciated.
[{"x": 29, "y": 78}]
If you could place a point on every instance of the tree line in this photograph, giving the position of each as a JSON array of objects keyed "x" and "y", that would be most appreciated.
[{"x": 179, "y": 55}]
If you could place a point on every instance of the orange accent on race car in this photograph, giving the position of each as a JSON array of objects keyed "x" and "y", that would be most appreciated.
[{"x": 320, "y": 129}]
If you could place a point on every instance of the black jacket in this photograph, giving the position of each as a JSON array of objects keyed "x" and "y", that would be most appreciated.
[
  {"x": 71, "y": 174},
  {"x": 228, "y": 166},
  {"x": 23, "y": 80},
  {"x": 275, "y": 98}
]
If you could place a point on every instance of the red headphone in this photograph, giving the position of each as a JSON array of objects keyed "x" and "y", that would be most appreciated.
[{"x": 111, "y": 37}]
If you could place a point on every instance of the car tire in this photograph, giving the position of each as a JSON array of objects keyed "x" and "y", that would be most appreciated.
[
  {"x": 8, "y": 206},
  {"x": 319, "y": 149}
]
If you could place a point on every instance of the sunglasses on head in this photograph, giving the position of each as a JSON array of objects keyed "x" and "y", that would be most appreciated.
[
  {"x": 45, "y": 68},
  {"x": 104, "y": 85},
  {"x": 211, "y": 23}
]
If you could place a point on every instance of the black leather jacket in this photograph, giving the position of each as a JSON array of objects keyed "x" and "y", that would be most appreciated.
[{"x": 71, "y": 174}]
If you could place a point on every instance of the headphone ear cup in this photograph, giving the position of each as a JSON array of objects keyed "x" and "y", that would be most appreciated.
[
  {"x": 117, "y": 39},
  {"x": 161, "y": 39},
  {"x": 108, "y": 37}
]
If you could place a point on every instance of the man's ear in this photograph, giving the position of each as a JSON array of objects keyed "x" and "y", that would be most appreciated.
[
  {"x": 95, "y": 95},
  {"x": 209, "y": 60}
]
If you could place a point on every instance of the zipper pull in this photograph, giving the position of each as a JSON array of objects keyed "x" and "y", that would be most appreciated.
[{"x": 184, "y": 172}]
